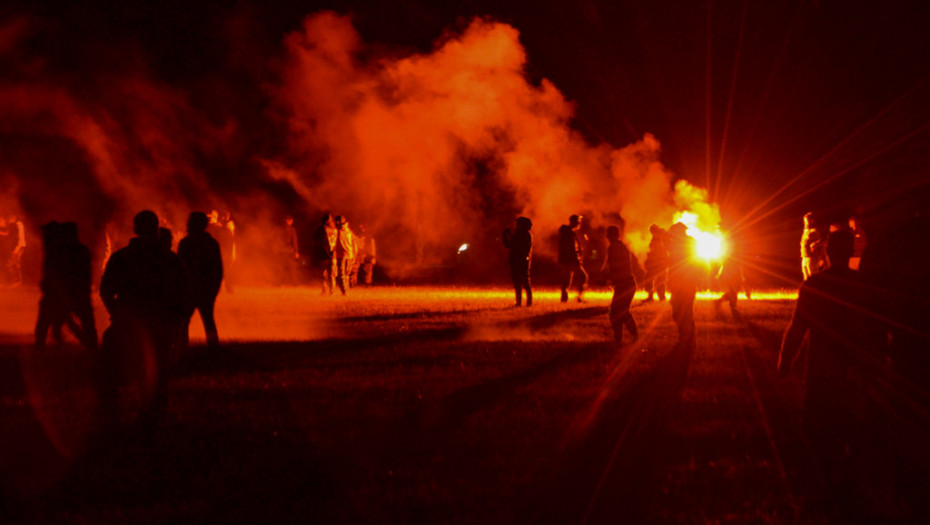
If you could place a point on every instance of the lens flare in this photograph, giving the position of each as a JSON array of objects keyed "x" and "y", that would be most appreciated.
[{"x": 711, "y": 245}]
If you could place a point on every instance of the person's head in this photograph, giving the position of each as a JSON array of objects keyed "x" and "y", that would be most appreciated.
[
  {"x": 613, "y": 233},
  {"x": 214, "y": 217},
  {"x": 145, "y": 224},
  {"x": 524, "y": 223},
  {"x": 197, "y": 222},
  {"x": 289, "y": 220},
  {"x": 840, "y": 248},
  {"x": 679, "y": 229},
  {"x": 574, "y": 221},
  {"x": 341, "y": 221},
  {"x": 853, "y": 222},
  {"x": 809, "y": 220},
  {"x": 326, "y": 220},
  {"x": 655, "y": 230}
]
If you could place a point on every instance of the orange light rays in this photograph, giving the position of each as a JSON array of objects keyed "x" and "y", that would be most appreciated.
[{"x": 726, "y": 123}]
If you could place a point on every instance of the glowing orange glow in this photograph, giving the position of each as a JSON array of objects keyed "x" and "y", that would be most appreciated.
[{"x": 711, "y": 245}]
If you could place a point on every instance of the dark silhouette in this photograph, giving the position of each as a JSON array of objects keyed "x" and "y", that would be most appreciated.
[
  {"x": 345, "y": 251},
  {"x": 683, "y": 277},
  {"x": 812, "y": 247},
  {"x": 731, "y": 280},
  {"x": 65, "y": 285},
  {"x": 201, "y": 257},
  {"x": 622, "y": 269},
  {"x": 571, "y": 257},
  {"x": 847, "y": 344},
  {"x": 366, "y": 259},
  {"x": 144, "y": 290},
  {"x": 657, "y": 263},
  {"x": 289, "y": 249},
  {"x": 324, "y": 246},
  {"x": 520, "y": 243}
]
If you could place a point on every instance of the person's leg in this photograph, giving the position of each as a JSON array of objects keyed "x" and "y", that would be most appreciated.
[
  {"x": 205, "y": 306},
  {"x": 582, "y": 281},
  {"x": 567, "y": 274}
]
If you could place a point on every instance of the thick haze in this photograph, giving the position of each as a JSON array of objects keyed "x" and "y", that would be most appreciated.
[{"x": 438, "y": 124}]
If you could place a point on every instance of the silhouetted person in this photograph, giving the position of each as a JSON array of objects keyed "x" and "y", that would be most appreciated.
[
  {"x": 683, "y": 278},
  {"x": 290, "y": 252},
  {"x": 520, "y": 243},
  {"x": 17, "y": 234},
  {"x": 812, "y": 244},
  {"x": 657, "y": 263},
  {"x": 571, "y": 257},
  {"x": 859, "y": 242},
  {"x": 731, "y": 280},
  {"x": 345, "y": 251},
  {"x": 324, "y": 259},
  {"x": 201, "y": 257},
  {"x": 144, "y": 289},
  {"x": 366, "y": 259},
  {"x": 622, "y": 268},
  {"x": 65, "y": 285},
  {"x": 846, "y": 345}
]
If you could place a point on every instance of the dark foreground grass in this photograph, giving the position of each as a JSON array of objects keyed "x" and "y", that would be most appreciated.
[{"x": 424, "y": 406}]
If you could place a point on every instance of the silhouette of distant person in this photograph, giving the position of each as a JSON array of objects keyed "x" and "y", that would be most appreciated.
[
  {"x": 730, "y": 277},
  {"x": 17, "y": 242},
  {"x": 65, "y": 285},
  {"x": 201, "y": 258},
  {"x": 812, "y": 244},
  {"x": 289, "y": 248},
  {"x": 571, "y": 257},
  {"x": 345, "y": 251},
  {"x": 5, "y": 249},
  {"x": 656, "y": 263},
  {"x": 144, "y": 290},
  {"x": 859, "y": 242},
  {"x": 520, "y": 243},
  {"x": 324, "y": 258},
  {"x": 683, "y": 278},
  {"x": 366, "y": 259},
  {"x": 622, "y": 269},
  {"x": 846, "y": 343}
]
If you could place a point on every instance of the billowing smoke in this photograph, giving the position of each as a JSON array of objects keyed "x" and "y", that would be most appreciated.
[
  {"x": 432, "y": 147},
  {"x": 427, "y": 149}
]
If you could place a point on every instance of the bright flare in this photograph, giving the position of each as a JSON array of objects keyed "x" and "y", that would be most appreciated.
[
  {"x": 711, "y": 246},
  {"x": 463, "y": 248}
]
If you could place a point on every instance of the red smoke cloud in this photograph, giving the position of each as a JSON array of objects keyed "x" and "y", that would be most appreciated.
[{"x": 426, "y": 141}]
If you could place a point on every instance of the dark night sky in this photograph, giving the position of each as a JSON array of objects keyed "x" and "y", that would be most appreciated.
[{"x": 806, "y": 93}]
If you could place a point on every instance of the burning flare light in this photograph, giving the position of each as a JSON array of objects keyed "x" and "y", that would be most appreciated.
[{"x": 711, "y": 246}]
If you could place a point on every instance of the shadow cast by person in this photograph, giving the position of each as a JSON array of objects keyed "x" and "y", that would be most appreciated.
[
  {"x": 201, "y": 257},
  {"x": 65, "y": 286},
  {"x": 144, "y": 290}
]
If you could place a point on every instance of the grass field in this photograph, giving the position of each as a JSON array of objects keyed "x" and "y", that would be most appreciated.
[{"x": 421, "y": 405}]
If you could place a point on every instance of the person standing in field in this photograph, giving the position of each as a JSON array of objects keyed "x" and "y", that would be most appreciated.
[
  {"x": 367, "y": 258},
  {"x": 812, "y": 260},
  {"x": 345, "y": 251},
  {"x": 323, "y": 248},
  {"x": 683, "y": 277},
  {"x": 144, "y": 290},
  {"x": 622, "y": 268},
  {"x": 201, "y": 256},
  {"x": 859, "y": 242},
  {"x": 731, "y": 279},
  {"x": 847, "y": 346},
  {"x": 18, "y": 243},
  {"x": 520, "y": 243},
  {"x": 656, "y": 263},
  {"x": 290, "y": 252},
  {"x": 571, "y": 257},
  {"x": 65, "y": 285}
]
